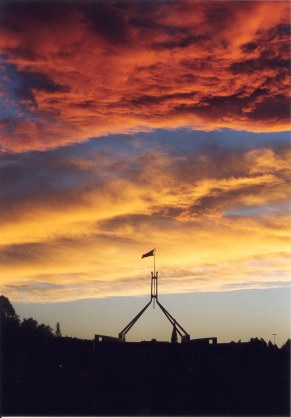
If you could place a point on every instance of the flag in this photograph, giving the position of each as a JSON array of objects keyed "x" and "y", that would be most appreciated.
[{"x": 148, "y": 254}]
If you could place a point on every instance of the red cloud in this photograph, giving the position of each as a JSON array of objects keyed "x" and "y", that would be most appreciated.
[{"x": 73, "y": 72}]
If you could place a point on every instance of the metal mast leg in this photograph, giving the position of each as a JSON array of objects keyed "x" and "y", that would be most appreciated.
[
  {"x": 183, "y": 334},
  {"x": 125, "y": 330}
]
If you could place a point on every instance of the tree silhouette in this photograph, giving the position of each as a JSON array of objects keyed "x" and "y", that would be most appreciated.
[
  {"x": 29, "y": 324},
  {"x": 7, "y": 311},
  {"x": 58, "y": 332},
  {"x": 9, "y": 321},
  {"x": 44, "y": 331},
  {"x": 32, "y": 330},
  {"x": 258, "y": 342}
]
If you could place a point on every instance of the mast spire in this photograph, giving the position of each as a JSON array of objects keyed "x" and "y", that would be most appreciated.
[{"x": 177, "y": 328}]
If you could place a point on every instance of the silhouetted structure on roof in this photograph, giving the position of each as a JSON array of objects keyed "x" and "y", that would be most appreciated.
[{"x": 177, "y": 328}]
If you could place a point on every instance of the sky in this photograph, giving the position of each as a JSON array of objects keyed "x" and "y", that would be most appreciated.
[{"x": 133, "y": 125}]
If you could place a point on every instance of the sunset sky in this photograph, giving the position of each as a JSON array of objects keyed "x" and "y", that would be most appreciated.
[{"x": 133, "y": 125}]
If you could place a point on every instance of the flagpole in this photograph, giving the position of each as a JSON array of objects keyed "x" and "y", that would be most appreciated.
[{"x": 155, "y": 285}]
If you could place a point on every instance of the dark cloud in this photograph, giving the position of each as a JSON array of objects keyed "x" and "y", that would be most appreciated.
[
  {"x": 29, "y": 286},
  {"x": 218, "y": 199},
  {"x": 277, "y": 107},
  {"x": 256, "y": 284},
  {"x": 25, "y": 254},
  {"x": 215, "y": 107},
  {"x": 269, "y": 107},
  {"x": 87, "y": 104},
  {"x": 138, "y": 221},
  {"x": 220, "y": 14},
  {"x": 18, "y": 14},
  {"x": 183, "y": 41},
  {"x": 147, "y": 100},
  {"x": 251, "y": 65},
  {"x": 35, "y": 180},
  {"x": 107, "y": 19},
  {"x": 249, "y": 47},
  {"x": 23, "y": 52},
  {"x": 198, "y": 64},
  {"x": 30, "y": 81},
  {"x": 24, "y": 85}
]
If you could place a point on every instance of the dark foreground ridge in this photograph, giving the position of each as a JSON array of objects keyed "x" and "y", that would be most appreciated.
[{"x": 45, "y": 374}]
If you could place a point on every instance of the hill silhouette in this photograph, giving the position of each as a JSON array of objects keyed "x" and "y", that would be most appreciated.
[{"x": 47, "y": 374}]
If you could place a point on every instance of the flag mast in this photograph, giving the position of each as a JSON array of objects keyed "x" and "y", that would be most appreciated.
[
  {"x": 177, "y": 328},
  {"x": 155, "y": 279}
]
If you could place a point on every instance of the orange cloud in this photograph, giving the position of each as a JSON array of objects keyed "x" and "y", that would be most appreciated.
[
  {"x": 75, "y": 227},
  {"x": 110, "y": 67}
]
